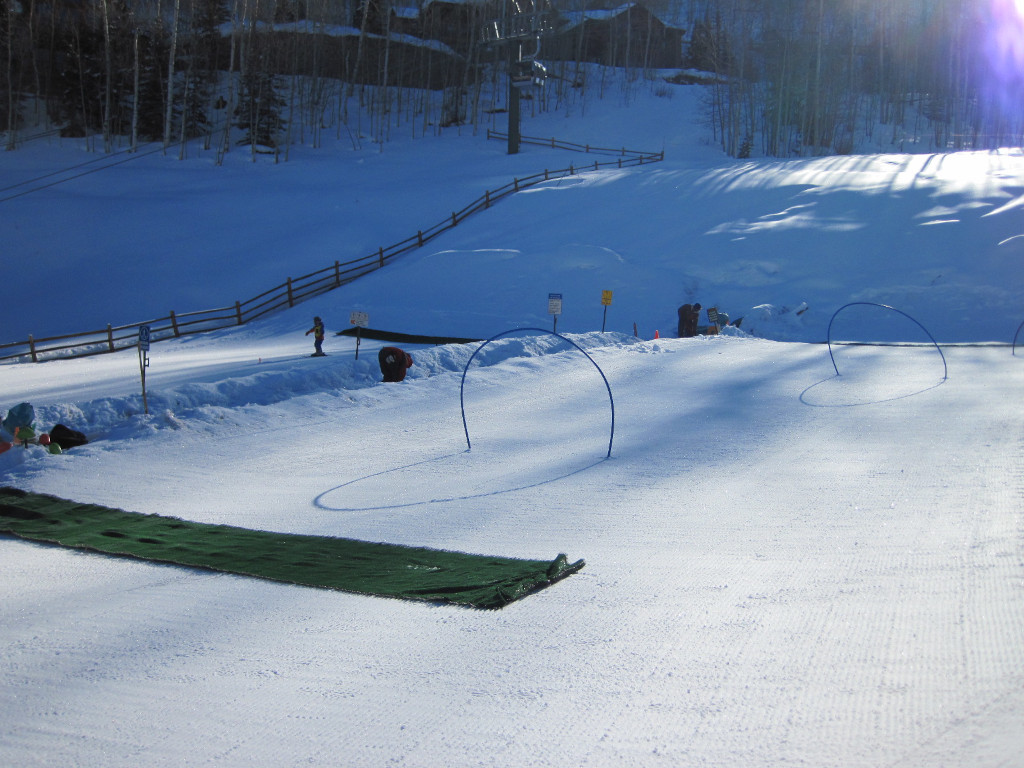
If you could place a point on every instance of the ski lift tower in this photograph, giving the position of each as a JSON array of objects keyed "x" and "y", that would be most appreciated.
[{"x": 518, "y": 32}]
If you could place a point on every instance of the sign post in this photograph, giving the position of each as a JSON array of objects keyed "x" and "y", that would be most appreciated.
[
  {"x": 360, "y": 320},
  {"x": 555, "y": 308},
  {"x": 144, "y": 334},
  {"x": 606, "y": 300}
]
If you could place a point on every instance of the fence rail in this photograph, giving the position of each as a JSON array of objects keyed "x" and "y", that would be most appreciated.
[
  {"x": 296, "y": 290},
  {"x": 586, "y": 148}
]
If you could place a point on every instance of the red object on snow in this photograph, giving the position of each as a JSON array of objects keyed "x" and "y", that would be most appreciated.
[{"x": 394, "y": 362}]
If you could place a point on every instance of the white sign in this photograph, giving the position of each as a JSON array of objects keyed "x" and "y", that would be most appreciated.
[
  {"x": 554, "y": 303},
  {"x": 360, "y": 319}
]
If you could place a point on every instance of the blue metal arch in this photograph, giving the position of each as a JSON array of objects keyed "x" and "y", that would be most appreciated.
[
  {"x": 945, "y": 368},
  {"x": 1014, "y": 350},
  {"x": 462, "y": 386}
]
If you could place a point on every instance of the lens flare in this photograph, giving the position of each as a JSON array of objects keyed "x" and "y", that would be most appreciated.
[{"x": 1004, "y": 52}]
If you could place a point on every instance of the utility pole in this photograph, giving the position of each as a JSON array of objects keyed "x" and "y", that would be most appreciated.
[{"x": 514, "y": 119}]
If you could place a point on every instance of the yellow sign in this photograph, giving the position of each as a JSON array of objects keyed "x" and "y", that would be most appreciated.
[{"x": 606, "y": 298}]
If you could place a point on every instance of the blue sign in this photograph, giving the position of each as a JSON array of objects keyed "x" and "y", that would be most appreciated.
[{"x": 144, "y": 337}]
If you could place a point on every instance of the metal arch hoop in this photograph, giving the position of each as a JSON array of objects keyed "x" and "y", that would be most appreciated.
[
  {"x": 462, "y": 386},
  {"x": 945, "y": 368},
  {"x": 1014, "y": 350}
]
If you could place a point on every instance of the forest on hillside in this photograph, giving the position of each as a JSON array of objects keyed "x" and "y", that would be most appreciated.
[{"x": 784, "y": 77}]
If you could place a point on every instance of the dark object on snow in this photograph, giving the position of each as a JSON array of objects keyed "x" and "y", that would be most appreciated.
[
  {"x": 394, "y": 362},
  {"x": 66, "y": 437},
  {"x": 684, "y": 319},
  {"x": 689, "y": 314},
  {"x": 404, "y": 338}
]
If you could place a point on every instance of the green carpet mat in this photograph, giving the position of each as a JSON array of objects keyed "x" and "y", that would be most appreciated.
[{"x": 390, "y": 570}]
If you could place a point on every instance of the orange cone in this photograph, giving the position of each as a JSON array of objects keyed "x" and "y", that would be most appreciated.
[{"x": 657, "y": 335}]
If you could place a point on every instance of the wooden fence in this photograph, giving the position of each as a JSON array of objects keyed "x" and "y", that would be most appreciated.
[{"x": 299, "y": 289}]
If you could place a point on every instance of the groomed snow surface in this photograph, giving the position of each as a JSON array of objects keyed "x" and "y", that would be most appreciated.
[{"x": 785, "y": 566}]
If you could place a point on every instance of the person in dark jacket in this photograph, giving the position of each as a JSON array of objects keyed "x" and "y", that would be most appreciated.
[
  {"x": 394, "y": 362},
  {"x": 318, "y": 337},
  {"x": 689, "y": 314},
  {"x": 684, "y": 320}
]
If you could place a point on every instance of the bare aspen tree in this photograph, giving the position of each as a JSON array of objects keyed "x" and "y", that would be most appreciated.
[
  {"x": 385, "y": 91},
  {"x": 169, "y": 113},
  {"x": 815, "y": 95},
  {"x": 238, "y": 18},
  {"x": 31, "y": 28},
  {"x": 135, "y": 92},
  {"x": 108, "y": 85},
  {"x": 7, "y": 38},
  {"x": 84, "y": 102},
  {"x": 359, "y": 45}
]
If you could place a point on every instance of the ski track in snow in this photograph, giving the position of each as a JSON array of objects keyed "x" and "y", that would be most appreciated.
[{"x": 783, "y": 567}]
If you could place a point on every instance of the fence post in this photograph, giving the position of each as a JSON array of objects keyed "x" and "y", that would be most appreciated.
[
  {"x": 238, "y": 311},
  {"x": 545, "y": 174},
  {"x": 419, "y": 238},
  {"x": 455, "y": 219},
  {"x": 337, "y": 273},
  {"x": 487, "y": 199},
  {"x": 110, "y": 337},
  {"x": 516, "y": 184},
  {"x": 32, "y": 348},
  {"x": 552, "y": 142},
  {"x": 174, "y": 324},
  {"x": 380, "y": 256}
]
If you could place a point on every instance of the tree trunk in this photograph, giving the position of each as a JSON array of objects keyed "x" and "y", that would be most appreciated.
[
  {"x": 169, "y": 113},
  {"x": 135, "y": 100}
]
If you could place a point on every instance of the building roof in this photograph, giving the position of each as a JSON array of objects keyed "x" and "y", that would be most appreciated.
[{"x": 578, "y": 18}]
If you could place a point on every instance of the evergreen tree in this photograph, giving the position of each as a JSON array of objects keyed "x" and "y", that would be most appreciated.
[
  {"x": 206, "y": 45},
  {"x": 152, "y": 55},
  {"x": 77, "y": 100},
  {"x": 258, "y": 114},
  {"x": 193, "y": 117},
  {"x": 707, "y": 50}
]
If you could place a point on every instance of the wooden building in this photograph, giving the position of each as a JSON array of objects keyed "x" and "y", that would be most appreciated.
[{"x": 628, "y": 35}]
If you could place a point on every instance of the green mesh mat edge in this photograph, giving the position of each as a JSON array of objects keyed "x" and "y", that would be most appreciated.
[{"x": 387, "y": 570}]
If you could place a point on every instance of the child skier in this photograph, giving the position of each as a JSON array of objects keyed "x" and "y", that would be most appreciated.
[{"x": 318, "y": 337}]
